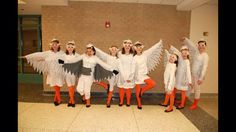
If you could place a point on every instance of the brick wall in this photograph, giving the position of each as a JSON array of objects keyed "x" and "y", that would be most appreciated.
[{"x": 84, "y": 22}]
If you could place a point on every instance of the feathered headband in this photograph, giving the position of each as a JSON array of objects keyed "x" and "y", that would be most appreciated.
[
  {"x": 71, "y": 44},
  {"x": 116, "y": 49},
  {"x": 138, "y": 44},
  {"x": 127, "y": 43},
  {"x": 54, "y": 40}
]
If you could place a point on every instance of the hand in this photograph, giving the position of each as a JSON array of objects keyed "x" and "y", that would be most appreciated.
[
  {"x": 199, "y": 82},
  {"x": 60, "y": 61},
  {"x": 169, "y": 92},
  {"x": 128, "y": 81},
  {"x": 115, "y": 72}
]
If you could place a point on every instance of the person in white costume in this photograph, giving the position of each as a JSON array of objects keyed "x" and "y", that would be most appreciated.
[
  {"x": 183, "y": 74},
  {"x": 126, "y": 68},
  {"x": 46, "y": 62},
  {"x": 171, "y": 62},
  {"x": 145, "y": 62},
  {"x": 85, "y": 67},
  {"x": 199, "y": 66},
  {"x": 112, "y": 60},
  {"x": 68, "y": 56}
]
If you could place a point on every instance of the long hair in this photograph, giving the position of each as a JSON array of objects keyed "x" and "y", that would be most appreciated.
[
  {"x": 73, "y": 52},
  {"x": 176, "y": 62},
  {"x": 92, "y": 49},
  {"x": 130, "y": 51},
  {"x": 115, "y": 47}
]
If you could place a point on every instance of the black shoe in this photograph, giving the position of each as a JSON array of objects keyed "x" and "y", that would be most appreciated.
[
  {"x": 179, "y": 107},
  {"x": 83, "y": 101},
  {"x": 69, "y": 104},
  {"x": 72, "y": 105},
  {"x": 162, "y": 105},
  {"x": 168, "y": 110},
  {"x": 55, "y": 103},
  {"x": 88, "y": 106},
  {"x": 140, "y": 107},
  {"x": 108, "y": 88},
  {"x": 108, "y": 106},
  {"x": 120, "y": 104},
  {"x": 128, "y": 105}
]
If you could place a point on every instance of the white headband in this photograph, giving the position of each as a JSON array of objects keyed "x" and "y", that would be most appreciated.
[
  {"x": 115, "y": 49},
  {"x": 127, "y": 41},
  {"x": 54, "y": 39},
  {"x": 70, "y": 43},
  {"x": 89, "y": 45}
]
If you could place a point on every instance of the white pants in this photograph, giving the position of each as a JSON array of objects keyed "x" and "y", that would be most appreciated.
[
  {"x": 112, "y": 82},
  {"x": 196, "y": 87},
  {"x": 70, "y": 80},
  {"x": 84, "y": 85}
]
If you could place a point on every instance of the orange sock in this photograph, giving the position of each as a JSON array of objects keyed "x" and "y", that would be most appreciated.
[
  {"x": 183, "y": 98},
  {"x": 87, "y": 102},
  {"x": 71, "y": 95},
  {"x": 167, "y": 97},
  {"x": 172, "y": 99},
  {"x": 57, "y": 94},
  {"x": 194, "y": 105},
  {"x": 104, "y": 85},
  {"x": 128, "y": 95},
  {"x": 149, "y": 84},
  {"x": 137, "y": 91},
  {"x": 109, "y": 97},
  {"x": 121, "y": 94}
]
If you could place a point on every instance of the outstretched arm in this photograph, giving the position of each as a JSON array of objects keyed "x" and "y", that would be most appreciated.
[
  {"x": 101, "y": 54},
  {"x": 190, "y": 44}
]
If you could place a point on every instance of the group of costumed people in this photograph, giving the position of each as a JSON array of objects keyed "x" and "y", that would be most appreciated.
[{"x": 125, "y": 69}]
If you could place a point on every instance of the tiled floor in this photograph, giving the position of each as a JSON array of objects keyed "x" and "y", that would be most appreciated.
[
  {"x": 46, "y": 117},
  {"x": 37, "y": 113}
]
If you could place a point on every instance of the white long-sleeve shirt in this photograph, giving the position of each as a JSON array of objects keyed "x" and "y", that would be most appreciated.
[
  {"x": 126, "y": 67},
  {"x": 183, "y": 73},
  {"x": 141, "y": 69},
  {"x": 169, "y": 74},
  {"x": 200, "y": 60}
]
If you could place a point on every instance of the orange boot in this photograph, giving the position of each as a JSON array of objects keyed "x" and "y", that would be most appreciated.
[
  {"x": 194, "y": 105},
  {"x": 183, "y": 100},
  {"x": 121, "y": 94},
  {"x": 137, "y": 92},
  {"x": 128, "y": 96},
  {"x": 172, "y": 99},
  {"x": 165, "y": 103},
  {"x": 88, "y": 103},
  {"x": 57, "y": 100},
  {"x": 149, "y": 84},
  {"x": 71, "y": 95},
  {"x": 109, "y": 99}
]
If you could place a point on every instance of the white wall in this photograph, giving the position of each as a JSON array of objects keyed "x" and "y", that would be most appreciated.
[{"x": 205, "y": 19}]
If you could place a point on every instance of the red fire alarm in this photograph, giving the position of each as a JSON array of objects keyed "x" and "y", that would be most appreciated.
[{"x": 107, "y": 24}]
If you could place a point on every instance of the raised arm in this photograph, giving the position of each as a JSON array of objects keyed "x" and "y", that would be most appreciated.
[
  {"x": 192, "y": 47},
  {"x": 104, "y": 65},
  {"x": 101, "y": 55}
]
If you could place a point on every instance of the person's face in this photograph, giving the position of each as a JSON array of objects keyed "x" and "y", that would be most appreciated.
[
  {"x": 55, "y": 46},
  {"x": 139, "y": 49},
  {"x": 184, "y": 54},
  {"x": 127, "y": 46},
  {"x": 70, "y": 48},
  {"x": 113, "y": 51},
  {"x": 90, "y": 52},
  {"x": 201, "y": 47},
  {"x": 172, "y": 58}
]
